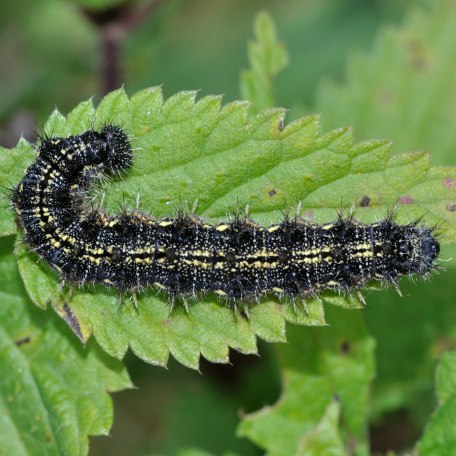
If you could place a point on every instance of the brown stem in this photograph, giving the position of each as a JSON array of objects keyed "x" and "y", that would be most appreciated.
[
  {"x": 111, "y": 72},
  {"x": 113, "y": 25}
]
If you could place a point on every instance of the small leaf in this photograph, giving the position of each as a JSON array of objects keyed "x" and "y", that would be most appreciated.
[
  {"x": 439, "y": 437},
  {"x": 267, "y": 58},
  {"x": 318, "y": 365},
  {"x": 325, "y": 440}
]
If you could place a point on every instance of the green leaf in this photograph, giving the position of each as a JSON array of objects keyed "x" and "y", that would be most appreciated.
[
  {"x": 40, "y": 285},
  {"x": 54, "y": 390},
  {"x": 13, "y": 163},
  {"x": 318, "y": 365},
  {"x": 187, "y": 150},
  {"x": 267, "y": 58},
  {"x": 439, "y": 437}
]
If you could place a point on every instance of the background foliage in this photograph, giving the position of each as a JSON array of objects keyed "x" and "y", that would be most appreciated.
[{"x": 401, "y": 90}]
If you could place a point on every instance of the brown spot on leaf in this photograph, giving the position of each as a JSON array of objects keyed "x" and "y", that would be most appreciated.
[
  {"x": 406, "y": 199},
  {"x": 420, "y": 62},
  {"x": 386, "y": 97},
  {"x": 23, "y": 341},
  {"x": 309, "y": 215},
  {"x": 345, "y": 347},
  {"x": 451, "y": 207},
  {"x": 449, "y": 183},
  {"x": 442, "y": 345},
  {"x": 419, "y": 56},
  {"x": 365, "y": 201}
]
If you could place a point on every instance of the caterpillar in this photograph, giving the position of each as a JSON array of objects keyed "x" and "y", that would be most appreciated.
[{"x": 185, "y": 255}]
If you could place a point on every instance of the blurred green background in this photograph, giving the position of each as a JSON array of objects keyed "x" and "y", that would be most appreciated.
[
  {"x": 51, "y": 54},
  {"x": 51, "y": 51}
]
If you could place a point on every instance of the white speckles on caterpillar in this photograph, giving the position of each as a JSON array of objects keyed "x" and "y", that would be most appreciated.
[{"x": 239, "y": 259}]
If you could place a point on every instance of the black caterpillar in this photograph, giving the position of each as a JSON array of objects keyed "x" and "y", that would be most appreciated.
[{"x": 186, "y": 256}]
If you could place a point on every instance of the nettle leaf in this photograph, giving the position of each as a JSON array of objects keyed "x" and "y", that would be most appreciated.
[
  {"x": 187, "y": 151},
  {"x": 55, "y": 392},
  {"x": 13, "y": 163},
  {"x": 439, "y": 437},
  {"x": 326, "y": 372}
]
